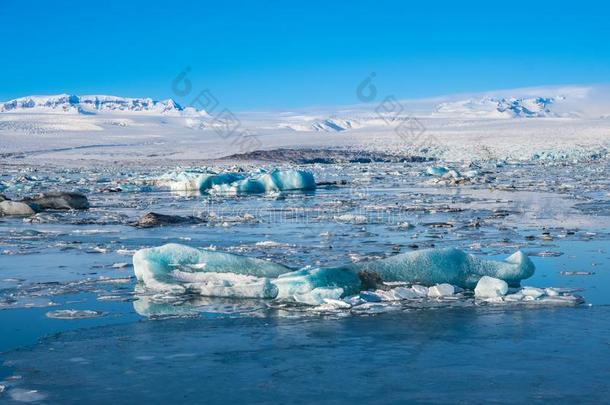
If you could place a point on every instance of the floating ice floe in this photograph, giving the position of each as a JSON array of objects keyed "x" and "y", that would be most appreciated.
[
  {"x": 75, "y": 314},
  {"x": 437, "y": 170},
  {"x": 177, "y": 268},
  {"x": 238, "y": 182},
  {"x": 489, "y": 287},
  {"x": 25, "y": 395},
  {"x": 444, "y": 175}
]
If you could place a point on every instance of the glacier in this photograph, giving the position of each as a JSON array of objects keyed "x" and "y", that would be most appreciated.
[
  {"x": 179, "y": 268},
  {"x": 207, "y": 181}
]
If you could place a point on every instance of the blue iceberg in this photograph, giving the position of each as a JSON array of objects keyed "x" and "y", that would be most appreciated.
[
  {"x": 273, "y": 181},
  {"x": 163, "y": 267},
  {"x": 206, "y": 181},
  {"x": 197, "y": 179},
  {"x": 452, "y": 266},
  {"x": 180, "y": 268},
  {"x": 437, "y": 170}
]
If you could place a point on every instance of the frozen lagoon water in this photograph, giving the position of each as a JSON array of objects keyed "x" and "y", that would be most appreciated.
[{"x": 220, "y": 350}]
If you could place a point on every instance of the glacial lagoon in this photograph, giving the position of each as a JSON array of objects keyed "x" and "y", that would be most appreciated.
[{"x": 76, "y": 324}]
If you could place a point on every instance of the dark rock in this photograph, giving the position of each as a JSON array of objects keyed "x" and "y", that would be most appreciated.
[
  {"x": 331, "y": 183},
  {"x": 17, "y": 208},
  {"x": 153, "y": 219},
  {"x": 59, "y": 201}
]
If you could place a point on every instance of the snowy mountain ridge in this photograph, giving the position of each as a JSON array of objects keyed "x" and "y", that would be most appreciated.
[
  {"x": 494, "y": 107},
  {"x": 91, "y": 104}
]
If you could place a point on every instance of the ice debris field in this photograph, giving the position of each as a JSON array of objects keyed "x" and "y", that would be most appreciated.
[
  {"x": 311, "y": 237},
  {"x": 239, "y": 251}
]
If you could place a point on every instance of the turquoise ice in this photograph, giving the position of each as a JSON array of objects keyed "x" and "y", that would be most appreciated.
[
  {"x": 437, "y": 170},
  {"x": 453, "y": 266},
  {"x": 197, "y": 179},
  {"x": 179, "y": 268},
  {"x": 156, "y": 267},
  {"x": 273, "y": 181},
  {"x": 238, "y": 182},
  {"x": 312, "y": 285}
]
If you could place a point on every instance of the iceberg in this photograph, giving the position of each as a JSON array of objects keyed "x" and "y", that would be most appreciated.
[
  {"x": 437, "y": 170},
  {"x": 179, "y": 268},
  {"x": 155, "y": 267},
  {"x": 489, "y": 287},
  {"x": 274, "y": 181},
  {"x": 197, "y": 180},
  {"x": 449, "y": 265},
  {"x": 205, "y": 181}
]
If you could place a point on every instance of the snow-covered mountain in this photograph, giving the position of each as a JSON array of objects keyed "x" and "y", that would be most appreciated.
[
  {"x": 568, "y": 121},
  {"x": 90, "y": 104},
  {"x": 334, "y": 125},
  {"x": 65, "y": 112},
  {"x": 492, "y": 107}
]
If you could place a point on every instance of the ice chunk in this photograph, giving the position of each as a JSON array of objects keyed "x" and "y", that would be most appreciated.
[
  {"x": 489, "y": 287},
  {"x": 551, "y": 292},
  {"x": 237, "y": 182},
  {"x": 25, "y": 395},
  {"x": 74, "y": 314},
  {"x": 395, "y": 294},
  {"x": 155, "y": 266},
  {"x": 197, "y": 179},
  {"x": 403, "y": 293},
  {"x": 532, "y": 292},
  {"x": 212, "y": 284},
  {"x": 471, "y": 174},
  {"x": 356, "y": 219},
  {"x": 318, "y": 296},
  {"x": 331, "y": 304},
  {"x": 274, "y": 181},
  {"x": 441, "y": 290},
  {"x": 420, "y": 290},
  {"x": 514, "y": 297},
  {"x": 452, "y": 266},
  {"x": 452, "y": 174},
  {"x": 297, "y": 284},
  {"x": 437, "y": 170}
]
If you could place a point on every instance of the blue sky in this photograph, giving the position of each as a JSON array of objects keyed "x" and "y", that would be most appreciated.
[{"x": 281, "y": 54}]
